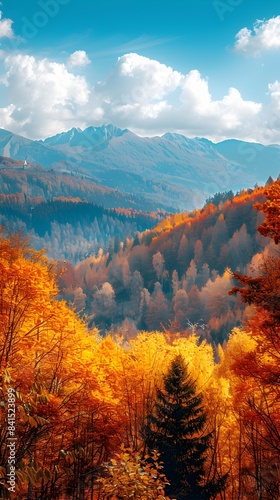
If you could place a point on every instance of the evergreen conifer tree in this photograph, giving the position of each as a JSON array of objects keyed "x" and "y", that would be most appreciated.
[{"x": 175, "y": 429}]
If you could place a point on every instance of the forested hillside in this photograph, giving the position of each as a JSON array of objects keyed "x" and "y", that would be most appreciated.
[
  {"x": 176, "y": 275},
  {"x": 69, "y": 228},
  {"x": 35, "y": 181},
  {"x": 84, "y": 417}
]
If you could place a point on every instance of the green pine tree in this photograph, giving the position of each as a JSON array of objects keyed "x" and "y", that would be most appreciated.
[{"x": 175, "y": 430}]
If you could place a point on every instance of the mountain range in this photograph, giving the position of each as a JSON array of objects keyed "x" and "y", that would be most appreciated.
[{"x": 171, "y": 171}]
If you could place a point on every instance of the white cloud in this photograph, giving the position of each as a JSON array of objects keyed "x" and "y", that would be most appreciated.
[
  {"x": 6, "y": 120},
  {"x": 195, "y": 92},
  {"x": 264, "y": 37},
  {"x": 154, "y": 79},
  {"x": 136, "y": 79},
  {"x": 229, "y": 117},
  {"x": 274, "y": 89},
  {"x": 45, "y": 96},
  {"x": 139, "y": 93},
  {"x": 149, "y": 97},
  {"x": 271, "y": 116},
  {"x": 78, "y": 58},
  {"x": 6, "y": 30}
]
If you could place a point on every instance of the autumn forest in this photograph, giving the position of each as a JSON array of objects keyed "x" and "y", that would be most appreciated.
[{"x": 150, "y": 368}]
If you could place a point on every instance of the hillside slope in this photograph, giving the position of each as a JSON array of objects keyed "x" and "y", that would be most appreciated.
[
  {"x": 178, "y": 273},
  {"x": 36, "y": 181},
  {"x": 69, "y": 228}
]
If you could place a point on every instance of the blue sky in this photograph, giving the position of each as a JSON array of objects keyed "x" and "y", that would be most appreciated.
[{"x": 199, "y": 67}]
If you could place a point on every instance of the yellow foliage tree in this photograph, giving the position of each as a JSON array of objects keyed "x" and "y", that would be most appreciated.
[{"x": 130, "y": 476}]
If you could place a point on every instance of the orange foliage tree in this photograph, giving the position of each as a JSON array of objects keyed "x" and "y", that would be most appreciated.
[
  {"x": 259, "y": 370},
  {"x": 48, "y": 359}
]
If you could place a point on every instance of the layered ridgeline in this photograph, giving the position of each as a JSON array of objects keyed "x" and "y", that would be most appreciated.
[
  {"x": 31, "y": 179},
  {"x": 168, "y": 171},
  {"x": 70, "y": 215},
  {"x": 69, "y": 228},
  {"x": 176, "y": 275}
]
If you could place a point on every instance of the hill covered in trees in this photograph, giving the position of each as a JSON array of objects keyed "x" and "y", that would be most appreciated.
[
  {"x": 89, "y": 409},
  {"x": 35, "y": 181},
  {"x": 176, "y": 275},
  {"x": 69, "y": 228}
]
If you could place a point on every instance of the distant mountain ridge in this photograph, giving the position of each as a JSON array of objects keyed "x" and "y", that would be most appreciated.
[
  {"x": 18, "y": 147},
  {"x": 79, "y": 137},
  {"x": 171, "y": 170}
]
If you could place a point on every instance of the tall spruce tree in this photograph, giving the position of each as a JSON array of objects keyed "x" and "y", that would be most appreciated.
[{"x": 175, "y": 430}]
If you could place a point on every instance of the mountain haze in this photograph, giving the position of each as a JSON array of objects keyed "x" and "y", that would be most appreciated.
[
  {"x": 170, "y": 171},
  {"x": 34, "y": 181}
]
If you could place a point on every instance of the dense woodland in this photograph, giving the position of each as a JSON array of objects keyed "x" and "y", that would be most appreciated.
[
  {"x": 175, "y": 276},
  {"x": 101, "y": 418},
  {"x": 69, "y": 228}
]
